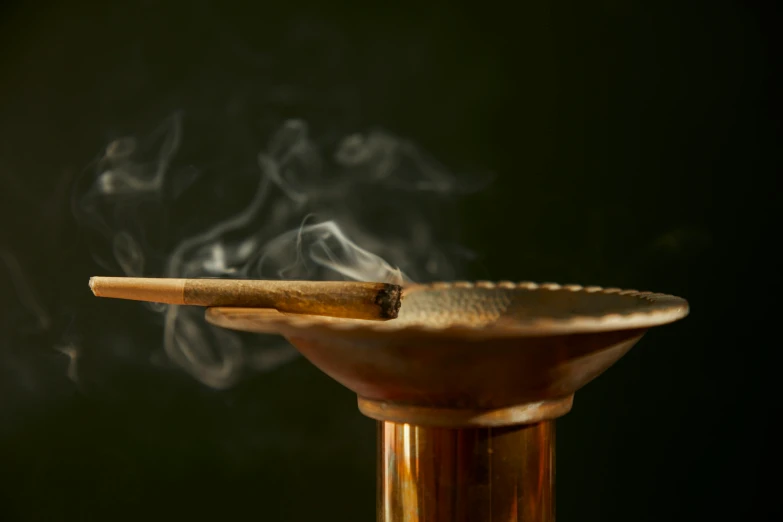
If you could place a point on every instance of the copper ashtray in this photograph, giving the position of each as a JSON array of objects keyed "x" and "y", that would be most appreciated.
[{"x": 466, "y": 384}]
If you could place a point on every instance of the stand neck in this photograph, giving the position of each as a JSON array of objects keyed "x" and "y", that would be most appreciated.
[{"x": 466, "y": 475}]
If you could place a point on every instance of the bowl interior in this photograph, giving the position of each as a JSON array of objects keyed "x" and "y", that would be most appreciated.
[
  {"x": 481, "y": 306},
  {"x": 483, "y": 309}
]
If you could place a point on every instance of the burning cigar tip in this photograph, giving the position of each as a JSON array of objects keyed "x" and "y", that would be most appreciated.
[{"x": 389, "y": 299}]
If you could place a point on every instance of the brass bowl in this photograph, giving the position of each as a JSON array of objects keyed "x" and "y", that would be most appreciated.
[{"x": 472, "y": 354}]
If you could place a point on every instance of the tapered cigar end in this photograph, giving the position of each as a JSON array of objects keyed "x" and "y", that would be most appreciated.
[
  {"x": 389, "y": 299},
  {"x": 153, "y": 290}
]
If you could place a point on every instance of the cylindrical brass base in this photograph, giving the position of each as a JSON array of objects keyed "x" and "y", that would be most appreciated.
[{"x": 466, "y": 475}]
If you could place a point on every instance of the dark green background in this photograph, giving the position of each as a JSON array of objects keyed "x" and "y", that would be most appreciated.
[{"x": 631, "y": 146}]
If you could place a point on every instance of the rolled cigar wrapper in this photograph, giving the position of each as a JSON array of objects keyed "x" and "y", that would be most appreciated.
[{"x": 357, "y": 300}]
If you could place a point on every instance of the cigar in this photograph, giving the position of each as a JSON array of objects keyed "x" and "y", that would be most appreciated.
[{"x": 356, "y": 300}]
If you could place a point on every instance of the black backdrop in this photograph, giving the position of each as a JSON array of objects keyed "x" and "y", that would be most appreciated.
[{"x": 630, "y": 144}]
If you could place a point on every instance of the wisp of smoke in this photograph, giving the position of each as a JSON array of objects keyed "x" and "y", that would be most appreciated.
[
  {"x": 308, "y": 215},
  {"x": 24, "y": 291}
]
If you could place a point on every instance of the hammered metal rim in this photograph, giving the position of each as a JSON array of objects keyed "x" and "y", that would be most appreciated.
[{"x": 665, "y": 309}]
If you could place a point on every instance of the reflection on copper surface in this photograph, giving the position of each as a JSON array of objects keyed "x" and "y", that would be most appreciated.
[{"x": 466, "y": 475}]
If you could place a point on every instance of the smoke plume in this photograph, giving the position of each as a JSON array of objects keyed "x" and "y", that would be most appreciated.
[{"x": 364, "y": 207}]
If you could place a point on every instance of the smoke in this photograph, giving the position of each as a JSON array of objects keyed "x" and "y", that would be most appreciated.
[
  {"x": 364, "y": 207},
  {"x": 322, "y": 249},
  {"x": 24, "y": 291}
]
